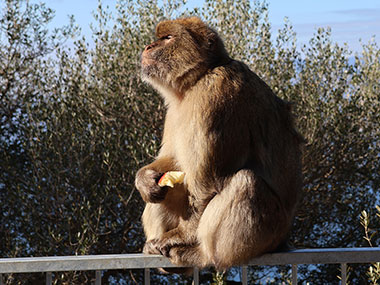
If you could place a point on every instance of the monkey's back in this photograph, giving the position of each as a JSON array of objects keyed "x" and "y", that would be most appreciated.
[{"x": 246, "y": 126}]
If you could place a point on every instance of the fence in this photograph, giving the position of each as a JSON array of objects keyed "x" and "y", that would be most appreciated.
[{"x": 98, "y": 263}]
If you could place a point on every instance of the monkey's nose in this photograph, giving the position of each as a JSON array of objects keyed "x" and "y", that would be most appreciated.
[{"x": 148, "y": 47}]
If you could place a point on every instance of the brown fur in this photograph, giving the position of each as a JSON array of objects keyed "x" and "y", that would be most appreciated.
[{"x": 236, "y": 143}]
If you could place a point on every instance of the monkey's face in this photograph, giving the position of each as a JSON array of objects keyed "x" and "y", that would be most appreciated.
[
  {"x": 182, "y": 52},
  {"x": 157, "y": 57}
]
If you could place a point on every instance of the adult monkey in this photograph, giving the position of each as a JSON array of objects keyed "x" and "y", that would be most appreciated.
[{"x": 234, "y": 140}]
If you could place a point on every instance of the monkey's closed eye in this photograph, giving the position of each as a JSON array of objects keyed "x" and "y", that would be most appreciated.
[{"x": 167, "y": 37}]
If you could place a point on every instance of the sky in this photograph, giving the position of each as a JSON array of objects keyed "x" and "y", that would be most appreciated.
[{"x": 350, "y": 20}]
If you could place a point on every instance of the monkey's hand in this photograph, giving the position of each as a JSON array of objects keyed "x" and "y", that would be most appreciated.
[{"x": 147, "y": 184}]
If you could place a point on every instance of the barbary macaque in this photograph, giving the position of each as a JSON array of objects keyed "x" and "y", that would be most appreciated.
[{"x": 236, "y": 144}]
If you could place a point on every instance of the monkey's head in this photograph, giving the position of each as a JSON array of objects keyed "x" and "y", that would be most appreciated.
[{"x": 185, "y": 49}]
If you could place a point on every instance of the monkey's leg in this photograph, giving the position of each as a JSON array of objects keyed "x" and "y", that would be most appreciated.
[
  {"x": 243, "y": 221},
  {"x": 159, "y": 218},
  {"x": 156, "y": 221}
]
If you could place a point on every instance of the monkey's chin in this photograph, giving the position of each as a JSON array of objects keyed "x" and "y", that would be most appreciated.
[
  {"x": 152, "y": 80},
  {"x": 150, "y": 74},
  {"x": 148, "y": 77},
  {"x": 148, "y": 71}
]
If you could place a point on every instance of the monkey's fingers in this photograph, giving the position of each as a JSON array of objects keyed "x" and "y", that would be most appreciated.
[
  {"x": 150, "y": 247},
  {"x": 170, "y": 178}
]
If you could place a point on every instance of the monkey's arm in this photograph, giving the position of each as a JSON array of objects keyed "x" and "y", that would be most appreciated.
[{"x": 148, "y": 176}]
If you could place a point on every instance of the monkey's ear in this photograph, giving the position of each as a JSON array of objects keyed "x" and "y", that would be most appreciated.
[{"x": 212, "y": 39}]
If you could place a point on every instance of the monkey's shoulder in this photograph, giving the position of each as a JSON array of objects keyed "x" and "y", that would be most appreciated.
[
  {"x": 232, "y": 71},
  {"x": 235, "y": 79},
  {"x": 233, "y": 85}
]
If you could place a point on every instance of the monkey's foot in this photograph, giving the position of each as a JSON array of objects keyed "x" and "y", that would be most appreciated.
[
  {"x": 170, "y": 248},
  {"x": 160, "y": 246},
  {"x": 150, "y": 247},
  {"x": 165, "y": 246},
  {"x": 185, "y": 255}
]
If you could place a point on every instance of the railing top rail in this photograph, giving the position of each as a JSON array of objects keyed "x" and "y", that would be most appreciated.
[
  {"x": 320, "y": 256},
  {"x": 133, "y": 261}
]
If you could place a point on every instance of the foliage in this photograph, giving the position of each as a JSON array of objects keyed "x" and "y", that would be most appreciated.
[
  {"x": 371, "y": 236},
  {"x": 77, "y": 122}
]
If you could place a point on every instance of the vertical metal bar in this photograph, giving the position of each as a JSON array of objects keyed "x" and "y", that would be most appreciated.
[
  {"x": 98, "y": 277},
  {"x": 343, "y": 267},
  {"x": 147, "y": 276},
  {"x": 49, "y": 278},
  {"x": 244, "y": 275},
  {"x": 294, "y": 274},
  {"x": 196, "y": 276}
]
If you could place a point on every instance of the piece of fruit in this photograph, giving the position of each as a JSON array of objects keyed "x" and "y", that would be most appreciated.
[{"x": 170, "y": 178}]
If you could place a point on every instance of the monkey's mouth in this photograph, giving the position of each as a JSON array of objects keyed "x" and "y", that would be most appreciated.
[{"x": 146, "y": 61}]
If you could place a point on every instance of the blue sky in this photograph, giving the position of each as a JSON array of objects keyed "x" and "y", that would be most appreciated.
[{"x": 350, "y": 20}]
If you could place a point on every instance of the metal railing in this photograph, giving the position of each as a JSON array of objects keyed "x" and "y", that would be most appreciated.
[{"x": 98, "y": 263}]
